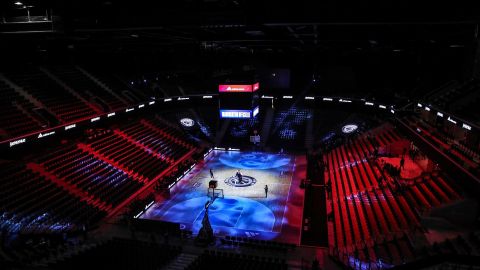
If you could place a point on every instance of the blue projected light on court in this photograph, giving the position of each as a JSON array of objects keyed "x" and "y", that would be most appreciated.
[
  {"x": 244, "y": 211},
  {"x": 235, "y": 212},
  {"x": 254, "y": 160}
]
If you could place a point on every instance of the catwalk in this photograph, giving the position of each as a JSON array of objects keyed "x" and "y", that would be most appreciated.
[{"x": 244, "y": 210}]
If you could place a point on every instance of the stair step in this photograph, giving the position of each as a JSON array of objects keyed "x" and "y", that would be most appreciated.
[
  {"x": 267, "y": 125},
  {"x": 181, "y": 261}
]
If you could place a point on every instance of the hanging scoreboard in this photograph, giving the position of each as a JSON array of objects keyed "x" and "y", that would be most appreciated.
[{"x": 238, "y": 100}]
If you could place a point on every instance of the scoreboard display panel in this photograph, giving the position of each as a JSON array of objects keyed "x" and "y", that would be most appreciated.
[{"x": 238, "y": 100}]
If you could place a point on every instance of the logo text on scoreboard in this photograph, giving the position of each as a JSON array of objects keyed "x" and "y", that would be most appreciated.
[
  {"x": 238, "y": 87},
  {"x": 235, "y": 113}
]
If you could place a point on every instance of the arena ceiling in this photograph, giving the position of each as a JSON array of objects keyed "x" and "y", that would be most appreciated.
[{"x": 241, "y": 24}]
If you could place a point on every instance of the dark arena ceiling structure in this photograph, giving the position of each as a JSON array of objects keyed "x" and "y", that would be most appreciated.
[
  {"x": 242, "y": 25},
  {"x": 318, "y": 38}
]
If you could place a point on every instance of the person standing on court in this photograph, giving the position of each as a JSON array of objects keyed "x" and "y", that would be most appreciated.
[
  {"x": 239, "y": 177},
  {"x": 266, "y": 190},
  {"x": 211, "y": 174}
]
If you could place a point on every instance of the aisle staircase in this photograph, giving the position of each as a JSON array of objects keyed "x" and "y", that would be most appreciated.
[
  {"x": 21, "y": 91},
  {"x": 88, "y": 103},
  {"x": 101, "y": 84},
  {"x": 222, "y": 131},
  {"x": 309, "y": 133},
  {"x": 181, "y": 262},
  {"x": 72, "y": 189},
  {"x": 267, "y": 126}
]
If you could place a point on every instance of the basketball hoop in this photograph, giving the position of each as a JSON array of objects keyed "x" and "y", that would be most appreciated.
[{"x": 215, "y": 193}]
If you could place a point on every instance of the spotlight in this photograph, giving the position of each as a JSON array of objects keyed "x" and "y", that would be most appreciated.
[{"x": 18, "y": 3}]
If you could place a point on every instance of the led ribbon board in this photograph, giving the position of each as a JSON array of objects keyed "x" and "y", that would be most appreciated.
[{"x": 255, "y": 111}]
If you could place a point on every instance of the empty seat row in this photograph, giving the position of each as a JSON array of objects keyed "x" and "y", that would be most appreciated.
[
  {"x": 93, "y": 176},
  {"x": 32, "y": 204},
  {"x": 122, "y": 151},
  {"x": 58, "y": 100},
  {"x": 13, "y": 120},
  {"x": 366, "y": 207},
  {"x": 78, "y": 81}
]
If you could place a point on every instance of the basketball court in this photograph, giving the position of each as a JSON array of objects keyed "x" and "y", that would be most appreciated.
[{"x": 240, "y": 208}]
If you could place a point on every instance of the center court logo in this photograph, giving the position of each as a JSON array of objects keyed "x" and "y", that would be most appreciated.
[{"x": 245, "y": 182}]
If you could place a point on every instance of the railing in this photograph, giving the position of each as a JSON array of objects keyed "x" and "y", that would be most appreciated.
[
  {"x": 27, "y": 19},
  {"x": 179, "y": 100}
]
